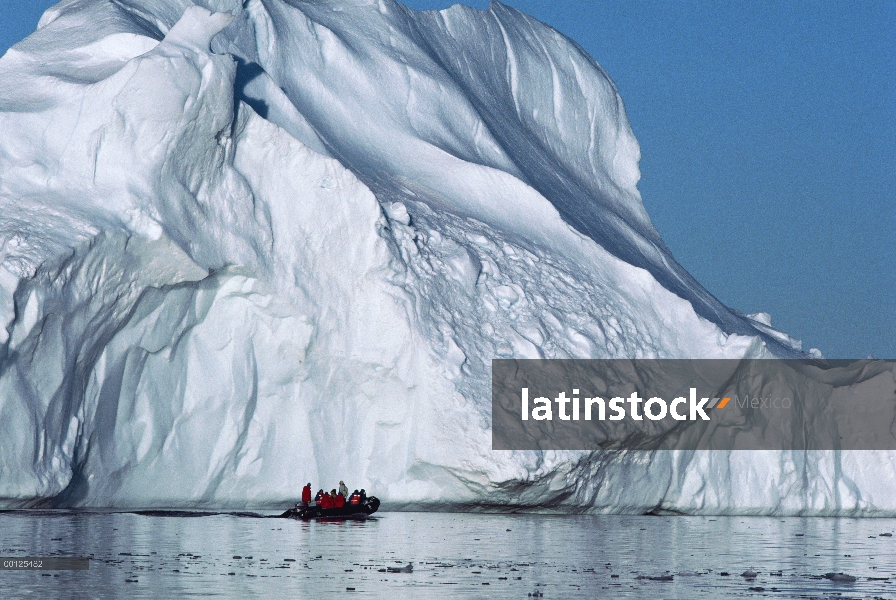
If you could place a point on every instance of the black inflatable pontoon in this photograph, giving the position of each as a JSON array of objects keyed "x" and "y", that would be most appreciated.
[{"x": 349, "y": 511}]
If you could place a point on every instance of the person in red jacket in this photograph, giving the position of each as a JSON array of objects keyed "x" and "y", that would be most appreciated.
[
  {"x": 340, "y": 501},
  {"x": 326, "y": 501},
  {"x": 306, "y": 494},
  {"x": 355, "y": 498}
]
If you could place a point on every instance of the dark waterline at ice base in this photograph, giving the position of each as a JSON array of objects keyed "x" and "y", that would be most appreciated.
[{"x": 457, "y": 555}]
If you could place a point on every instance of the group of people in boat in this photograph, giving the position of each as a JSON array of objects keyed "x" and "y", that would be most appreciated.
[{"x": 336, "y": 498}]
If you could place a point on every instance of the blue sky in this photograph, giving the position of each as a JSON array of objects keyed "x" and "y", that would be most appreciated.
[{"x": 768, "y": 140}]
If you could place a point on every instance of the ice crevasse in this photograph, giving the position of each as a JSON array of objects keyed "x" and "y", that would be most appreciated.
[{"x": 245, "y": 245}]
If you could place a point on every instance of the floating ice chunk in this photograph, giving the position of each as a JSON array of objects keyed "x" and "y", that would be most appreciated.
[{"x": 198, "y": 293}]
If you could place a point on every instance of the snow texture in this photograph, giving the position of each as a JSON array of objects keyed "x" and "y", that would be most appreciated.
[{"x": 244, "y": 245}]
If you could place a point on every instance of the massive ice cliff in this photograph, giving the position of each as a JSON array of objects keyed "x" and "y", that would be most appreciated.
[{"x": 245, "y": 245}]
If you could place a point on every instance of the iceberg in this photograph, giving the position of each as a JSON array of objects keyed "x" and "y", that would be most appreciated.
[{"x": 245, "y": 245}]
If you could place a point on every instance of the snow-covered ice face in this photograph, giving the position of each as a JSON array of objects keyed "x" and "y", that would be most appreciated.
[{"x": 318, "y": 236}]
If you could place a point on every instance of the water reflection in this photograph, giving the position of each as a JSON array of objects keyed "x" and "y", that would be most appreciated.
[{"x": 478, "y": 556}]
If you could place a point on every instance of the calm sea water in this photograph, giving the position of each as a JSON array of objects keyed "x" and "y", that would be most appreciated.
[{"x": 453, "y": 555}]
